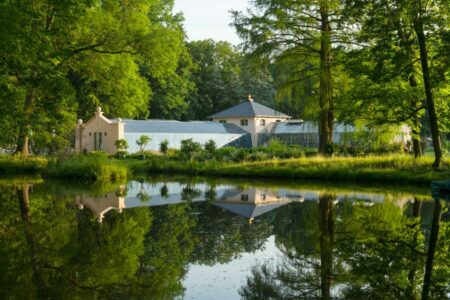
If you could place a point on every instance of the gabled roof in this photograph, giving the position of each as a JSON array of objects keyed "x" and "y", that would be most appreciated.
[
  {"x": 171, "y": 126},
  {"x": 249, "y": 210},
  {"x": 249, "y": 109}
]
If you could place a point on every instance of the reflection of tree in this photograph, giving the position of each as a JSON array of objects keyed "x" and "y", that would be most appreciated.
[
  {"x": 378, "y": 254},
  {"x": 438, "y": 289},
  {"x": 223, "y": 236},
  {"x": 306, "y": 241},
  {"x": 142, "y": 194},
  {"x": 190, "y": 193},
  {"x": 50, "y": 249},
  {"x": 387, "y": 255},
  {"x": 164, "y": 191}
]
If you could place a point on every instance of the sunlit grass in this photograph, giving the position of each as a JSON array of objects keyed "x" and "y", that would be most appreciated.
[
  {"x": 90, "y": 167},
  {"x": 389, "y": 169},
  {"x": 12, "y": 165}
]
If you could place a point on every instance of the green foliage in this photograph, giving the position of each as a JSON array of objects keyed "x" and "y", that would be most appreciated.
[
  {"x": 142, "y": 142},
  {"x": 210, "y": 146},
  {"x": 97, "y": 53},
  {"x": 19, "y": 165},
  {"x": 223, "y": 78},
  {"x": 121, "y": 144},
  {"x": 164, "y": 147},
  {"x": 95, "y": 167},
  {"x": 189, "y": 149}
]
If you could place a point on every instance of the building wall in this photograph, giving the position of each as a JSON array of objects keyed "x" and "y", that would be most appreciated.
[
  {"x": 111, "y": 131},
  {"x": 254, "y": 126},
  {"x": 174, "y": 139}
]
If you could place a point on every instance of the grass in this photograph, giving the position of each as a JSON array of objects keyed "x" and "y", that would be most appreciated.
[
  {"x": 400, "y": 169},
  {"x": 392, "y": 169},
  {"x": 14, "y": 165},
  {"x": 90, "y": 167}
]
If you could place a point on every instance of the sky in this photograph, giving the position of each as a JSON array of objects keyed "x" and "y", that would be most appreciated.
[{"x": 206, "y": 19}]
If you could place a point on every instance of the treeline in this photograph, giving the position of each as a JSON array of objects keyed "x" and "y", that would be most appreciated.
[
  {"x": 382, "y": 61},
  {"x": 376, "y": 62},
  {"x": 59, "y": 60}
]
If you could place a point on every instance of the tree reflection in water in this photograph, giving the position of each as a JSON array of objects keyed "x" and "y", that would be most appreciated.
[
  {"x": 365, "y": 252},
  {"x": 49, "y": 248}
]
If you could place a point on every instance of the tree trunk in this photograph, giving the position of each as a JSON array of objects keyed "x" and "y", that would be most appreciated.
[
  {"x": 326, "y": 243},
  {"x": 410, "y": 290},
  {"x": 23, "y": 139},
  {"x": 326, "y": 115},
  {"x": 431, "y": 248},
  {"x": 418, "y": 28},
  {"x": 30, "y": 236}
]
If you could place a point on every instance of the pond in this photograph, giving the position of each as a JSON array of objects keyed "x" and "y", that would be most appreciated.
[{"x": 196, "y": 238}]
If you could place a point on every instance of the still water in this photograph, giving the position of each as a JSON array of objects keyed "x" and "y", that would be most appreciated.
[{"x": 181, "y": 238}]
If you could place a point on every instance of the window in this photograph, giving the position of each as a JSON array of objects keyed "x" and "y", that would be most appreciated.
[
  {"x": 262, "y": 122},
  {"x": 278, "y": 121},
  {"x": 263, "y": 196},
  {"x": 223, "y": 121},
  {"x": 98, "y": 141},
  {"x": 105, "y": 133},
  {"x": 244, "y": 122},
  {"x": 244, "y": 197}
]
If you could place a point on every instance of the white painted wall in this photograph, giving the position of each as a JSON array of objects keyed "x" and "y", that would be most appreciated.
[
  {"x": 111, "y": 131},
  {"x": 254, "y": 126},
  {"x": 175, "y": 139}
]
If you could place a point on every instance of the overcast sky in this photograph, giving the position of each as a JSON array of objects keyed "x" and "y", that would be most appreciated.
[{"x": 210, "y": 18}]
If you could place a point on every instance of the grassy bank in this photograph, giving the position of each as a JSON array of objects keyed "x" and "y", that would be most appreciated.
[
  {"x": 16, "y": 165},
  {"x": 393, "y": 169},
  {"x": 390, "y": 169},
  {"x": 86, "y": 167}
]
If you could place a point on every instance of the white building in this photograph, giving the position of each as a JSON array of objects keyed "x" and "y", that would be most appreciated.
[{"x": 248, "y": 124}]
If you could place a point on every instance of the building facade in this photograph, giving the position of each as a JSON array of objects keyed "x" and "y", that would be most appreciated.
[{"x": 247, "y": 124}]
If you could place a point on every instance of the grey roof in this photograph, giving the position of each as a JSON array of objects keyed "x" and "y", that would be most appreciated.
[
  {"x": 171, "y": 126},
  {"x": 248, "y": 210},
  {"x": 299, "y": 126},
  {"x": 249, "y": 109}
]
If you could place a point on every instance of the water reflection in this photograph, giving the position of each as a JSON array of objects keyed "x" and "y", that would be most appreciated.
[{"x": 139, "y": 240}]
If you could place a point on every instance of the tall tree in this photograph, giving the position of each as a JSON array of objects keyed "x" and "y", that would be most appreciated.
[
  {"x": 216, "y": 77},
  {"x": 304, "y": 30},
  {"x": 86, "y": 51}
]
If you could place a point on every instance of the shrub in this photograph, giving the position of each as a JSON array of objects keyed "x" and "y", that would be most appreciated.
[
  {"x": 164, "y": 147},
  {"x": 90, "y": 167},
  {"x": 121, "y": 144},
  {"x": 142, "y": 142},
  {"x": 189, "y": 149},
  {"x": 210, "y": 146}
]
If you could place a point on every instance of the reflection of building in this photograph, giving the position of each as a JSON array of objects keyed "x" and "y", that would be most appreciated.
[
  {"x": 253, "y": 202},
  {"x": 248, "y": 202},
  {"x": 100, "y": 205}
]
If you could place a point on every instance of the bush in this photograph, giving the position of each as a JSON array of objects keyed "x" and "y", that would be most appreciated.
[
  {"x": 121, "y": 154},
  {"x": 210, "y": 147},
  {"x": 142, "y": 142},
  {"x": 164, "y": 147},
  {"x": 121, "y": 144},
  {"x": 189, "y": 149},
  {"x": 88, "y": 167}
]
